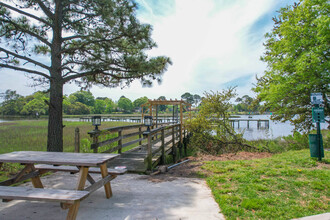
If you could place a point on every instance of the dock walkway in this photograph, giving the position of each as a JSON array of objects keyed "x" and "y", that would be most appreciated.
[{"x": 139, "y": 150}]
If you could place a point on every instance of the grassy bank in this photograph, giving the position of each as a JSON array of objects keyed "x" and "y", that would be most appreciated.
[
  {"x": 284, "y": 186},
  {"x": 32, "y": 135},
  {"x": 28, "y": 135},
  {"x": 296, "y": 141}
]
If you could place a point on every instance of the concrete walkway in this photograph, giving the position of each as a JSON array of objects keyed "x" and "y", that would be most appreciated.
[{"x": 134, "y": 197}]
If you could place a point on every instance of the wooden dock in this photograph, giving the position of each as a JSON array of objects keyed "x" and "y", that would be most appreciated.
[
  {"x": 258, "y": 121},
  {"x": 139, "y": 150},
  {"x": 134, "y": 119}
]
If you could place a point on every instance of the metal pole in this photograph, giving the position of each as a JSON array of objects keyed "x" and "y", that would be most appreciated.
[{"x": 319, "y": 139}]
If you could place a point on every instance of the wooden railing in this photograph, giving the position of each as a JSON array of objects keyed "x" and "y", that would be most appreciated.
[
  {"x": 130, "y": 132},
  {"x": 158, "y": 142},
  {"x": 162, "y": 141}
]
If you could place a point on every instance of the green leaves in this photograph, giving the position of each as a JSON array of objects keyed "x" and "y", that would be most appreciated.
[
  {"x": 212, "y": 131},
  {"x": 297, "y": 55}
]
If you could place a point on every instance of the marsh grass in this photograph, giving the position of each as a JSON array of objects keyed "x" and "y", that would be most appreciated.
[
  {"x": 284, "y": 186},
  {"x": 32, "y": 135}
]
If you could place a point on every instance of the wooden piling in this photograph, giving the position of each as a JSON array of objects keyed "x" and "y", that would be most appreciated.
[{"x": 76, "y": 140}]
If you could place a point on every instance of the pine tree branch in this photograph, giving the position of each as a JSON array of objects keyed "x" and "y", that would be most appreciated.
[
  {"x": 96, "y": 72},
  {"x": 23, "y": 30},
  {"x": 24, "y": 70},
  {"x": 25, "y": 13},
  {"x": 44, "y": 8},
  {"x": 25, "y": 58}
]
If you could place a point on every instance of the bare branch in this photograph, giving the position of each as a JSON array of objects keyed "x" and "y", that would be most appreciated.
[
  {"x": 25, "y": 58},
  {"x": 24, "y": 70},
  {"x": 25, "y": 13}
]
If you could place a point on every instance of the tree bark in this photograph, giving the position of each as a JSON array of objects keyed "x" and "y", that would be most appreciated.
[{"x": 55, "y": 123}]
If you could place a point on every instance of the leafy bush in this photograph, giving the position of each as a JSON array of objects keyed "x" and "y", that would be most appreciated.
[{"x": 212, "y": 132}]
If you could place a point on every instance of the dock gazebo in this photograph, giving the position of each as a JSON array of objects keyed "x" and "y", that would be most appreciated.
[{"x": 178, "y": 107}]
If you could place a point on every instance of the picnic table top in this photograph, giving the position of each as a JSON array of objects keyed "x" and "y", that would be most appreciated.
[{"x": 56, "y": 158}]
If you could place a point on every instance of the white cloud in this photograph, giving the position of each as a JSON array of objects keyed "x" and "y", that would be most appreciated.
[
  {"x": 208, "y": 46},
  {"x": 211, "y": 43}
]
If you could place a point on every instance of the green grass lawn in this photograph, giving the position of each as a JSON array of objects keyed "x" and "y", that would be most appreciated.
[{"x": 284, "y": 186}]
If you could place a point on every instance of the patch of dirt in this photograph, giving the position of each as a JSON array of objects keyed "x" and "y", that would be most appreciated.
[
  {"x": 322, "y": 166},
  {"x": 192, "y": 168}
]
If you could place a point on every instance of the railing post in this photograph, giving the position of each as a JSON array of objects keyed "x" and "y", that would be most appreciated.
[
  {"x": 76, "y": 140},
  {"x": 140, "y": 135},
  {"x": 180, "y": 140},
  {"x": 95, "y": 141},
  {"x": 173, "y": 147},
  {"x": 120, "y": 142},
  {"x": 163, "y": 147},
  {"x": 185, "y": 141},
  {"x": 149, "y": 157}
]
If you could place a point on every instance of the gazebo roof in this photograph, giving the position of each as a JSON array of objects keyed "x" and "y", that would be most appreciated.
[{"x": 166, "y": 102}]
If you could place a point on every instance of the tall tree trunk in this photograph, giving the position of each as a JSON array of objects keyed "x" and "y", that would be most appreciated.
[{"x": 55, "y": 123}]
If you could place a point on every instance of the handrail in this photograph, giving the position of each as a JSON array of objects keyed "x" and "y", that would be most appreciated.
[
  {"x": 151, "y": 144},
  {"x": 119, "y": 137},
  {"x": 155, "y": 140}
]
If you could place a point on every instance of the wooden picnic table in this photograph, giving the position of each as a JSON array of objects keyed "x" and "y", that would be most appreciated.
[{"x": 68, "y": 198}]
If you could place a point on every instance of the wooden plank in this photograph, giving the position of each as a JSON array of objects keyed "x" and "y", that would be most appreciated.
[
  {"x": 25, "y": 177},
  {"x": 56, "y": 158},
  {"x": 162, "y": 157},
  {"x": 120, "y": 141},
  {"x": 73, "y": 211},
  {"x": 169, "y": 142},
  {"x": 83, "y": 172},
  {"x": 158, "y": 140},
  {"x": 73, "y": 169},
  {"x": 36, "y": 182},
  {"x": 100, "y": 183},
  {"x": 132, "y": 142},
  {"x": 109, "y": 141},
  {"x": 154, "y": 152},
  {"x": 90, "y": 179},
  {"x": 37, "y": 194},
  {"x": 116, "y": 129},
  {"x": 113, "y": 149},
  {"x": 107, "y": 186},
  {"x": 131, "y": 135}
]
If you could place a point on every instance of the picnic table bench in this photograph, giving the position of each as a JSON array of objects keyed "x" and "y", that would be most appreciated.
[{"x": 84, "y": 164}]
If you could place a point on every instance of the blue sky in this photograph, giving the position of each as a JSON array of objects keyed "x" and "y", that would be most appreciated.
[{"x": 213, "y": 44}]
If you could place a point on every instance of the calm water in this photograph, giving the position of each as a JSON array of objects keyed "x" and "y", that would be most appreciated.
[{"x": 275, "y": 130}]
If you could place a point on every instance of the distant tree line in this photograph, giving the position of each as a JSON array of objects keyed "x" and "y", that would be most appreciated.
[
  {"x": 246, "y": 104},
  {"x": 80, "y": 103}
]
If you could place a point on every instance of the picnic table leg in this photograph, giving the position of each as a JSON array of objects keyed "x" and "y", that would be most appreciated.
[
  {"x": 107, "y": 186},
  {"x": 73, "y": 210},
  {"x": 36, "y": 182}
]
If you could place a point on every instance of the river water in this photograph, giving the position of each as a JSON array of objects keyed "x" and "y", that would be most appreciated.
[{"x": 276, "y": 129}]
